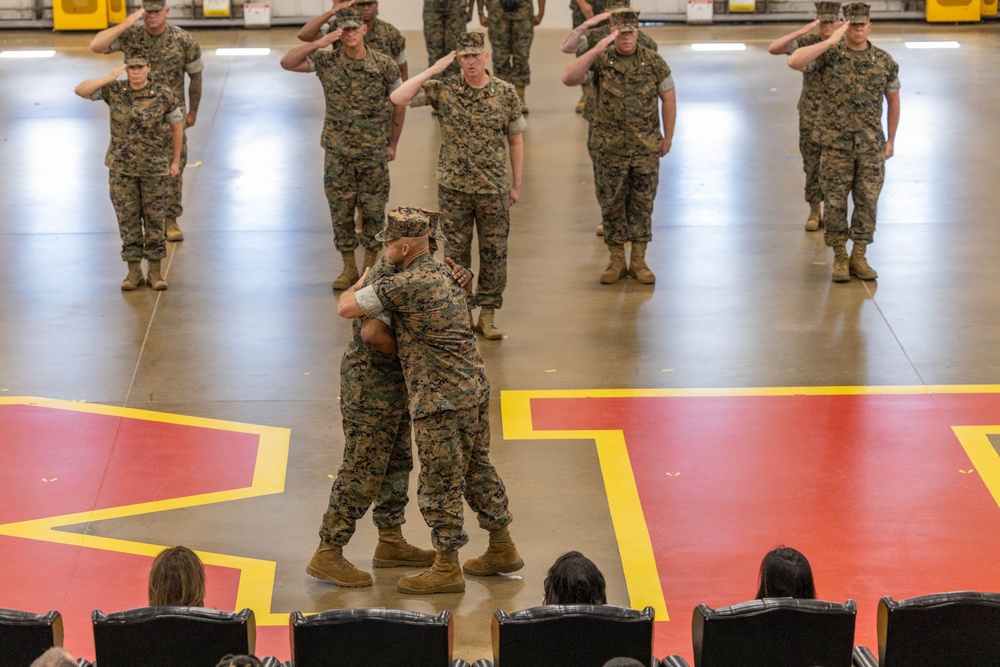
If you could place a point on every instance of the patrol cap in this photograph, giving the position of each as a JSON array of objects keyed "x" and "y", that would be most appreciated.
[
  {"x": 349, "y": 17},
  {"x": 827, "y": 12},
  {"x": 625, "y": 20},
  {"x": 471, "y": 42},
  {"x": 858, "y": 12},
  {"x": 136, "y": 59},
  {"x": 611, "y": 5},
  {"x": 153, "y": 5},
  {"x": 408, "y": 222}
]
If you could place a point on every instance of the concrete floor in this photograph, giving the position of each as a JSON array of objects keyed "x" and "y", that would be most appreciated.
[{"x": 248, "y": 330}]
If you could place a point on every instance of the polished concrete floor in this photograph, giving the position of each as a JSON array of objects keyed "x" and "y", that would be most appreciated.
[{"x": 248, "y": 330}]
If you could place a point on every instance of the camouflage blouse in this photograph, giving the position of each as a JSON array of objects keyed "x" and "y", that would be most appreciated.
[{"x": 141, "y": 136}]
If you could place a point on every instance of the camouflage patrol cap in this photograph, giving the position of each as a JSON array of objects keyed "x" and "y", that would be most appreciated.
[
  {"x": 153, "y": 5},
  {"x": 858, "y": 12},
  {"x": 827, "y": 12},
  {"x": 611, "y": 5},
  {"x": 408, "y": 222},
  {"x": 349, "y": 17},
  {"x": 136, "y": 59},
  {"x": 471, "y": 42},
  {"x": 625, "y": 20}
]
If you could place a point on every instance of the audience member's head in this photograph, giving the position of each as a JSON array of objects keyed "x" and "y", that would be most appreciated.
[
  {"x": 785, "y": 573},
  {"x": 56, "y": 656},
  {"x": 623, "y": 662},
  {"x": 239, "y": 661},
  {"x": 177, "y": 578},
  {"x": 574, "y": 579}
]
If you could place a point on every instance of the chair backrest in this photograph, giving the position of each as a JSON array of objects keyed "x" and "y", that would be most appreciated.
[
  {"x": 580, "y": 635},
  {"x": 171, "y": 636},
  {"x": 349, "y": 637},
  {"x": 774, "y": 632},
  {"x": 958, "y": 628},
  {"x": 25, "y": 636}
]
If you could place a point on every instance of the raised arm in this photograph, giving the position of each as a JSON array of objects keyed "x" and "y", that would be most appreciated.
[
  {"x": 576, "y": 72},
  {"x": 296, "y": 59},
  {"x": 403, "y": 95},
  {"x": 87, "y": 88},
  {"x": 313, "y": 30},
  {"x": 572, "y": 40},
  {"x": 801, "y": 58},
  {"x": 102, "y": 41},
  {"x": 779, "y": 47}
]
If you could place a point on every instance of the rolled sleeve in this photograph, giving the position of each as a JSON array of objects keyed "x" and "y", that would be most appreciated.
[
  {"x": 666, "y": 85},
  {"x": 368, "y": 301},
  {"x": 518, "y": 126}
]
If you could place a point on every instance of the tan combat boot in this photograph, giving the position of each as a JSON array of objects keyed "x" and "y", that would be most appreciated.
[
  {"x": 637, "y": 265},
  {"x": 153, "y": 276},
  {"x": 859, "y": 265},
  {"x": 500, "y": 556},
  {"x": 393, "y": 550},
  {"x": 486, "y": 325},
  {"x": 134, "y": 278},
  {"x": 600, "y": 230},
  {"x": 445, "y": 576},
  {"x": 329, "y": 564},
  {"x": 371, "y": 256},
  {"x": 350, "y": 274},
  {"x": 584, "y": 92},
  {"x": 841, "y": 271},
  {"x": 616, "y": 269},
  {"x": 520, "y": 96},
  {"x": 815, "y": 218},
  {"x": 174, "y": 232}
]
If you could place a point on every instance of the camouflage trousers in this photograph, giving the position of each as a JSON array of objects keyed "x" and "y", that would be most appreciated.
[
  {"x": 860, "y": 175},
  {"x": 626, "y": 188},
  {"x": 356, "y": 183},
  {"x": 511, "y": 40},
  {"x": 578, "y": 16},
  {"x": 454, "y": 451},
  {"x": 140, "y": 204},
  {"x": 176, "y": 184},
  {"x": 489, "y": 214},
  {"x": 811, "y": 152},
  {"x": 441, "y": 31},
  {"x": 378, "y": 458}
]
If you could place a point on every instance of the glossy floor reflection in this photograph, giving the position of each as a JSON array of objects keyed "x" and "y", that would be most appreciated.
[{"x": 248, "y": 330}]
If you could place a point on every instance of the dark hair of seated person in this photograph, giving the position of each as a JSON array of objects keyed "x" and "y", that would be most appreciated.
[
  {"x": 785, "y": 573},
  {"x": 574, "y": 579},
  {"x": 239, "y": 661},
  {"x": 177, "y": 577}
]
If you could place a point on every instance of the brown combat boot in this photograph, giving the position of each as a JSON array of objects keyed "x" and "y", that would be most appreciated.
[
  {"x": 859, "y": 265},
  {"x": 841, "y": 270},
  {"x": 584, "y": 92},
  {"x": 486, "y": 326},
  {"x": 393, "y": 550},
  {"x": 815, "y": 219},
  {"x": 134, "y": 278},
  {"x": 445, "y": 576},
  {"x": 153, "y": 276},
  {"x": 174, "y": 232},
  {"x": 371, "y": 256},
  {"x": 520, "y": 96},
  {"x": 616, "y": 269},
  {"x": 500, "y": 556},
  {"x": 600, "y": 230},
  {"x": 350, "y": 274},
  {"x": 637, "y": 265},
  {"x": 329, "y": 564}
]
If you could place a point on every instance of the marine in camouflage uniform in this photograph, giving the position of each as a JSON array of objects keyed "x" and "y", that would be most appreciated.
[
  {"x": 381, "y": 36},
  {"x": 173, "y": 53},
  {"x": 511, "y": 34},
  {"x": 360, "y": 133},
  {"x": 475, "y": 115},
  {"x": 139, "y": 160},
  {"x": 629, "y": 84},
  {"x": 855, "y": 76},
  {"x": 444, "y": 21},
  {"x": 449, "y": 402},
  {"x": 809, "y": 104}
]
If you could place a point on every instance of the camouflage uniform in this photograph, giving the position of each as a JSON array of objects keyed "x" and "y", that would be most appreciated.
[
  {"x": 578, "y": 17},
  {"x": 138, "y": 160},
  {"x": 625, "y": 136},
  {"x": 444, "y": 21},
  {"x": 473, "y": 190},
  {"x": 356, "y": 134},
  {"x": 384, "y": 38},
  {"x": 378, "y": 453},
  {"x": 511, "y": 34},
  {"x": 449, "y": 398},
  {"x": 850, "y": 131},
  {"x": 809, "y": 104},
  {"x": 171, "y": 55}
]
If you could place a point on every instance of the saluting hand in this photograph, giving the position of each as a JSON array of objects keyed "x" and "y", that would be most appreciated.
[
  {"x": 839, "y": 33},
  {"x": 337, "y": 6},
  {"x": 116, "y": 72},
  {"x": 442, "y": 64},
  {"x": 604, "y": 43},
  {"x": 595, "y": 20},
  {"x": 329, "y": 38},
  {"x": 135, "y": 16}
]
